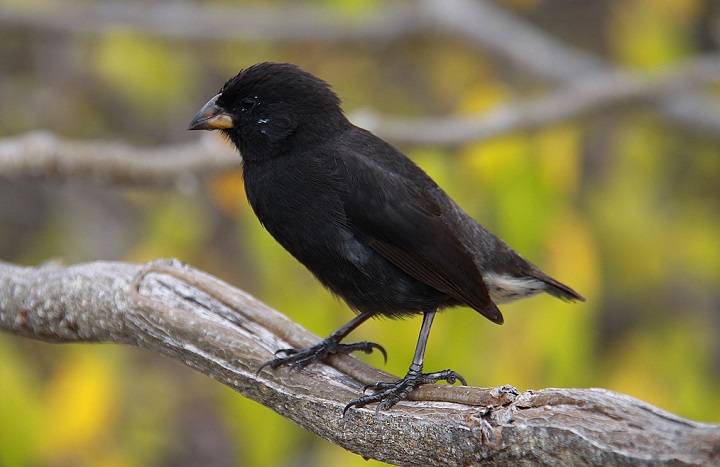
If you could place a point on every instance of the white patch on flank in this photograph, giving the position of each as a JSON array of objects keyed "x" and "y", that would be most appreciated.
[{"x": 505, "y": 289}]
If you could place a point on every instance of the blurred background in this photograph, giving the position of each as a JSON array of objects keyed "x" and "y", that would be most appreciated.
[{"x": 619, "y": 199}]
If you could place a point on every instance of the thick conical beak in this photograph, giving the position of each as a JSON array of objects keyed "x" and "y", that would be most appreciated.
[{"x": 211, "y": 117}]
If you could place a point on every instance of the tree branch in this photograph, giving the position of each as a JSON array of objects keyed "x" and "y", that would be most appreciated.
[
  {"x": 200, "y": 21},
  {"x": 489, "y": 26},
  {"x": 477, "y": 22},
  {"x": 196, "y": 319},
  {"x": 42, "y": 154},
  {"x": 495, "y": 29},
  {"x": 602, "y": 92}
]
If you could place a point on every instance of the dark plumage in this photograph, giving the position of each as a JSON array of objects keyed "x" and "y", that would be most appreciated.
[{"x": 361, "y": 216}]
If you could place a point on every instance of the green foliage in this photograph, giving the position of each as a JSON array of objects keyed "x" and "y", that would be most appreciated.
[
  {"x": 174, "y": 227},
  {"x": 143, "y": 72},
  {"x": 19, "y": 408}
]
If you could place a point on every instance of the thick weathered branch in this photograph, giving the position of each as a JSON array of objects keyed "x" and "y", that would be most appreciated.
[{"x": 197, "y": 320}]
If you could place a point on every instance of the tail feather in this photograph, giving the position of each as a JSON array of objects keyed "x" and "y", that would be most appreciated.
[{"x": 560, "y": 290}]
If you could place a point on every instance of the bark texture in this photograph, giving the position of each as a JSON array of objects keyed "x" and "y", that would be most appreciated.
[{"x": 196, "y": 319}]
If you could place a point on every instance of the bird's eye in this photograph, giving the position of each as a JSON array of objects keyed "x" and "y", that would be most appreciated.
[{"x": 248, "y": 103}]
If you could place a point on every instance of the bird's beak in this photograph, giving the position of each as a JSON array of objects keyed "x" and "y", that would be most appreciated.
[{"x": 211, "y": 117}]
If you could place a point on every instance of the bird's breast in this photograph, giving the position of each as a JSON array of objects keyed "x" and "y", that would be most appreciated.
[{"x": 300, "y": 207}]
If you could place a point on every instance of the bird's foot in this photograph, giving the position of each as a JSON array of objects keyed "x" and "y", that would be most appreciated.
[
  {"x": 389, "y": 394},
  {"x": 300, "y": 358}
]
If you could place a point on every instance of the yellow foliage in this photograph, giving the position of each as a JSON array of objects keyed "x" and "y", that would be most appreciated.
[
  {"x": 681, "y": 11},
  {"x": 651, "y": 33},
  {"x": 37, "y": 5},
  {"x": 351, "y": 8},
  {"x": 228, "y": 191},
  {"x": 667, "y": 366},
  {"x": 79, "y": 408},
  {"x": 573, "y": 257},
  {"x": 146, "y": 72},
  {"x": 454, "y": 73},
  {"x": 488, "y": 160},
  {"x": 697, "y": 231},
  {"x": 521, "y": 4},
  {"x": 558, "y": 150},
  {"x": 20, "y": 409},
  {"x": 482, "y": 97},
  {"x": 175, "y": 227}
]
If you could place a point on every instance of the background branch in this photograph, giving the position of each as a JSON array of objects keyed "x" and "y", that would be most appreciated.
[
  {"x": 477, "y": 22},
  {"x": 603, "y": 92},
  {"x": 195, "y": 319},
  {"x": 42, "y": 154},
  {"x": 530, "y": 48},
  {"x": 201, "y": 21}
]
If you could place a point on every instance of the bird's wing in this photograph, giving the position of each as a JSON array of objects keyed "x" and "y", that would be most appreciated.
[{"x": 398, "y": 211}]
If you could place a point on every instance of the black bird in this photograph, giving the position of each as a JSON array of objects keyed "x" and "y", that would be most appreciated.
[{"x": 362, "y": 217}]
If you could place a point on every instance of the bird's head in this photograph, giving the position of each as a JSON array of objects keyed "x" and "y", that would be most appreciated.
[{"x": 266, "y": 105}]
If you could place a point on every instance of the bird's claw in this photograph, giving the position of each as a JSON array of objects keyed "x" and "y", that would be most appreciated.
[
  {"x": 370, "y": 346},
  {"x": 300, "y": 358},
  {"x": 389, "y": 394}
]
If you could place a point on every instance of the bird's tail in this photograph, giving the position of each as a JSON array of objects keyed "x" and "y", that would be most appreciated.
[{"x": 560, "y": 290}]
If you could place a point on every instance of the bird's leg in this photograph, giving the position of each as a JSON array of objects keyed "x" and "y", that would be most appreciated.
[
  {"x": 389, "y": 394},
  {"x": 300, "y": 358}
]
